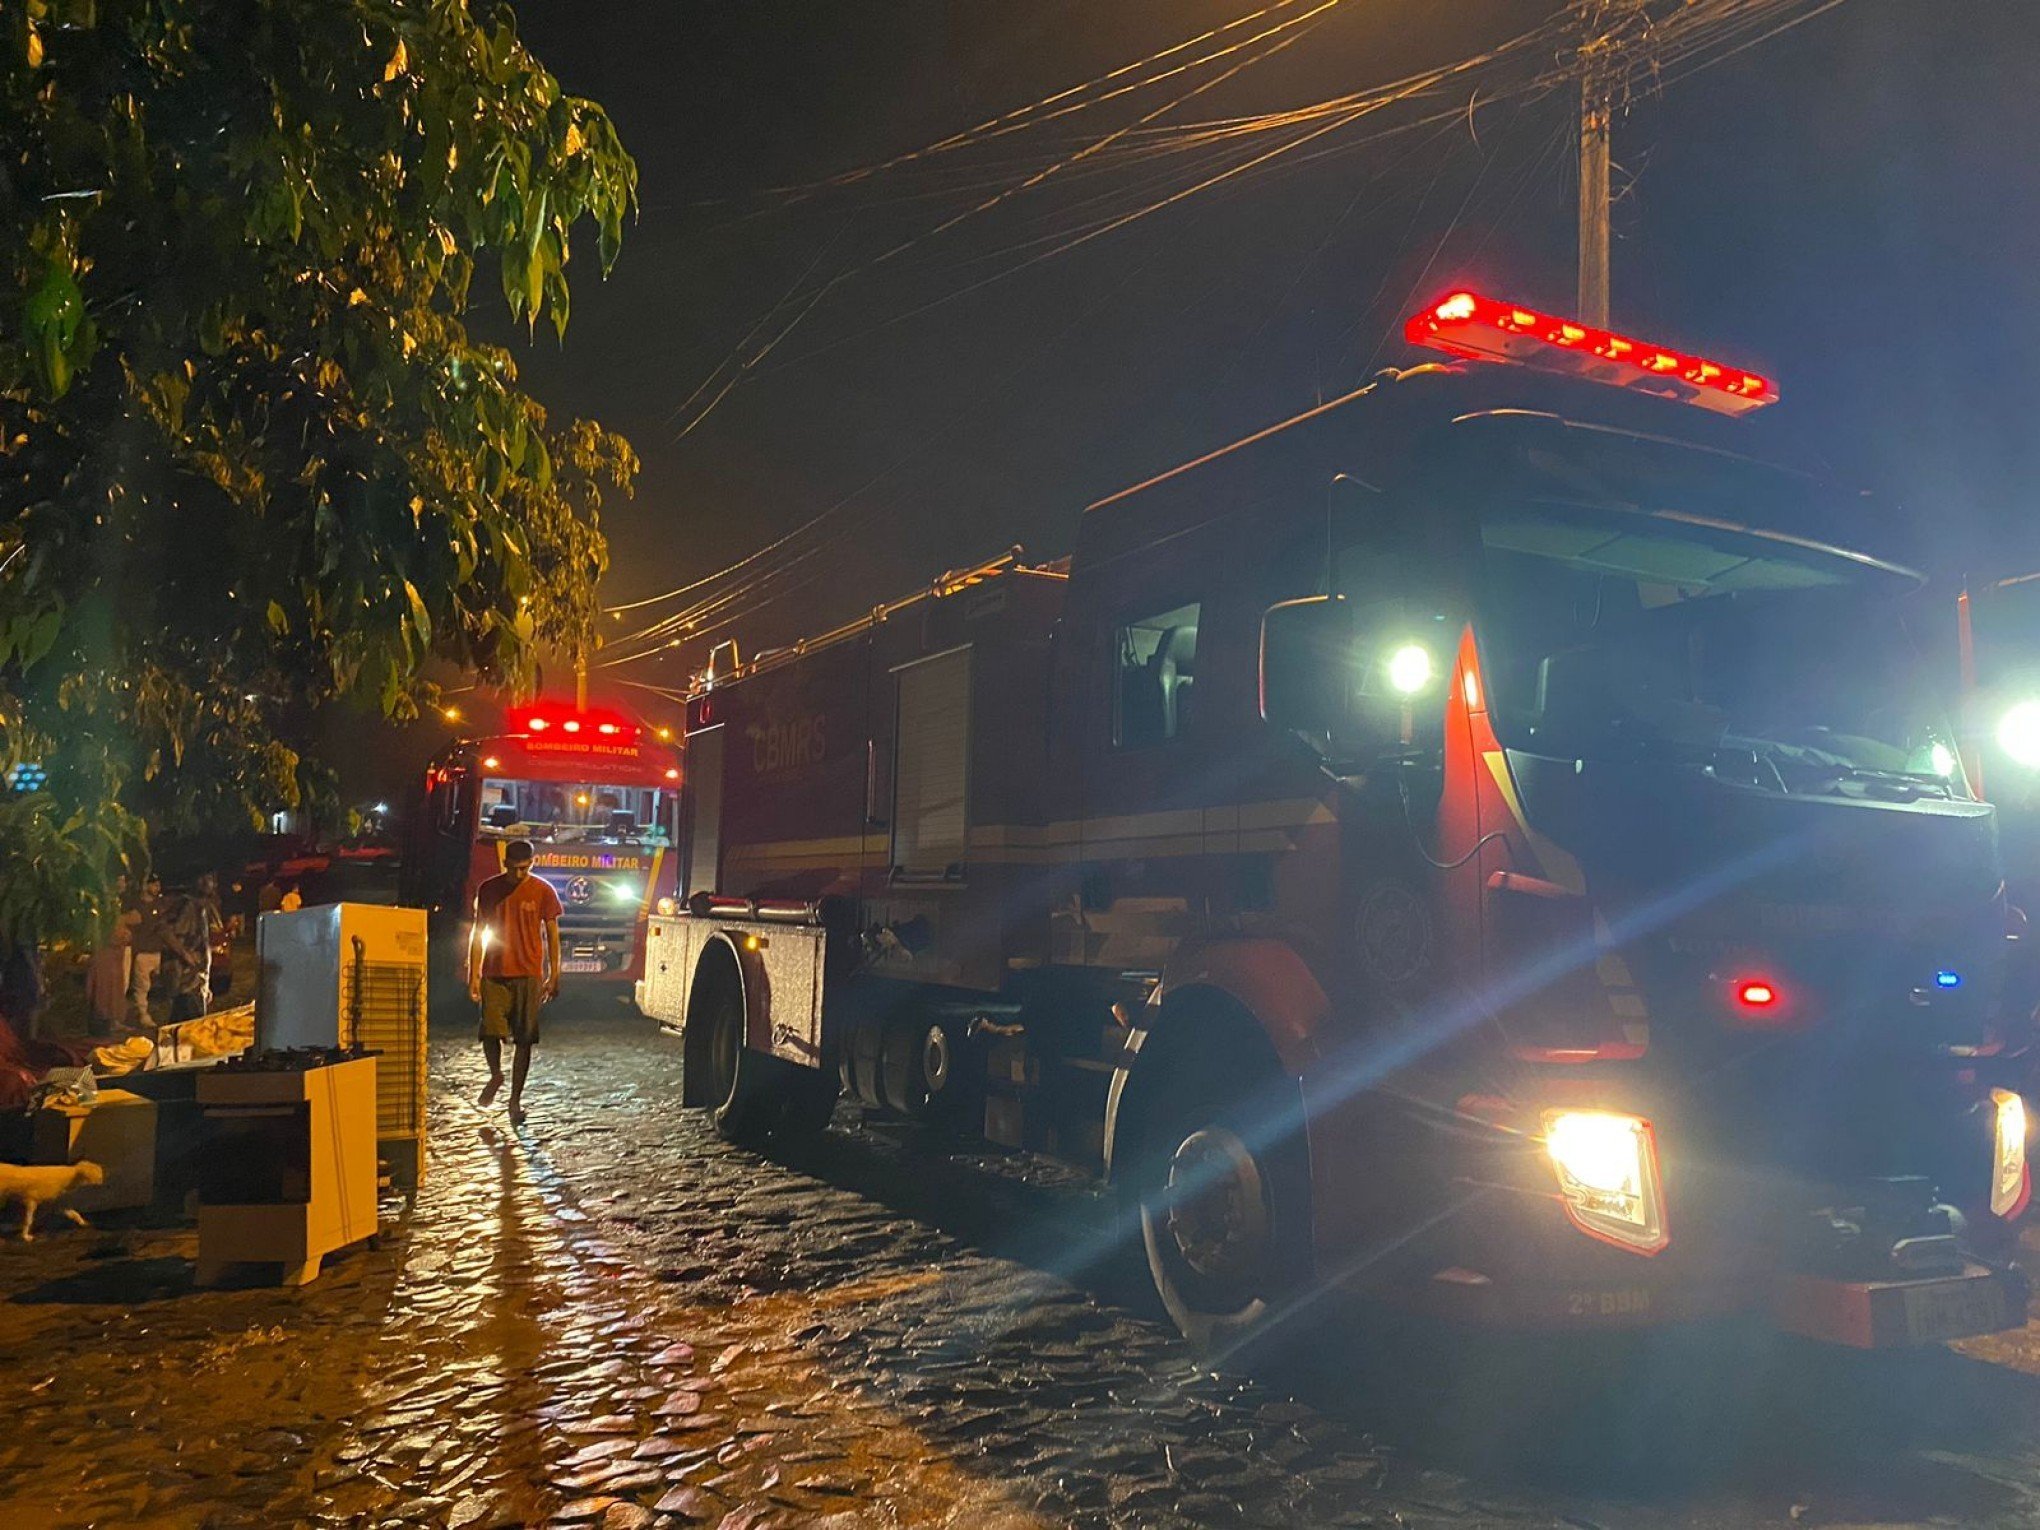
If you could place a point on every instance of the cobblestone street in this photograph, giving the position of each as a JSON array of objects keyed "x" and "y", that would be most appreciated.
[{"x": 612, "y": 1318}]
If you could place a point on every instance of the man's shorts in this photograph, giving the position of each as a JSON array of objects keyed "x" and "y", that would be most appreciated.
[{"x": 510, "y": 1009}]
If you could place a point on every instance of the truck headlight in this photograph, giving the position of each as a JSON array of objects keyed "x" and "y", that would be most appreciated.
[
  {"x": 625, "y": 892},
  {"x": 2008, "y": 1184},
  {"x": 668, "y": 907},
  {"x": 1607, "y": 1170}
]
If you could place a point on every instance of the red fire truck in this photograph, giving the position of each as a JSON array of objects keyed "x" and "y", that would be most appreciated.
[
  {"x": 1487, "y": 840},
  {"x": 593, "y": 790}
]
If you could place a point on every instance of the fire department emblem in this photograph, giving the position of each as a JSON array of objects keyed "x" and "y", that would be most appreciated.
[
  {"x": 1395, "y": 937},
  {"x": 579, "y": 889}
]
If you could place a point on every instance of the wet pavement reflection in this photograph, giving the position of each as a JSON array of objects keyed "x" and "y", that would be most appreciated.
[
  {"x": 1046, "y": 1370},
  {"x": 609, "y": 1317}
]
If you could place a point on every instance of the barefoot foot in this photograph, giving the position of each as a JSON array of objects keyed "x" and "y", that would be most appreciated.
[{"x": 488, "y": 1096}]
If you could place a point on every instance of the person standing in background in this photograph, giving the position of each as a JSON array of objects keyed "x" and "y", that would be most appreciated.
[
  {"x": 150, "y": 931},
  {"x": 194, "y": 923},
  {"x": 106, "y": 979}
]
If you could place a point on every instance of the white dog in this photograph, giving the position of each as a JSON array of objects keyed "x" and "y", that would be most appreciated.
[{"x": 32, "y": 1184}]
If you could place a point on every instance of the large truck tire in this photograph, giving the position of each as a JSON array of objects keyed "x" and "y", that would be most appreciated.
[
  {"x": 1223, "y": 1194},
  {"x": 915, "y": 1055},
  {"x": 742, "y": 1100},
  {"x": 737, "y": 1084}
]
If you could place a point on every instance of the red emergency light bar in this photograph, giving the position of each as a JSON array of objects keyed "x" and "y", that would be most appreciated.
[
  {"x": 562, "y": 726},
  {"x": 1482, "y": 329}
]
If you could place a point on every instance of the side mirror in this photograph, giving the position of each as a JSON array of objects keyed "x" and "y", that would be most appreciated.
[
  {"x": 1351, "y": 688},
  {"x": 1308, "y": 653}
]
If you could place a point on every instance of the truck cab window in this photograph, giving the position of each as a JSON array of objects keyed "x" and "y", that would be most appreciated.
[
  {"x": 1154, "y": 678},
  {"x": 1623, "y": 635}
]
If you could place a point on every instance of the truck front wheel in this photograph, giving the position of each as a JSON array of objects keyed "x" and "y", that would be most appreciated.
[{"x": 1223, "y": 1206}]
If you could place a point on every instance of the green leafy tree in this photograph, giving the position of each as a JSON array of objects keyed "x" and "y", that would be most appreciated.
[{"x": 251, "y": 460}]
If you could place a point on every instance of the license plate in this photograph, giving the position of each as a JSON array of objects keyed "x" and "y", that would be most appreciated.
[
  {"x": 582, "y": 964},
  {"x": 1953, "y": 1309}
]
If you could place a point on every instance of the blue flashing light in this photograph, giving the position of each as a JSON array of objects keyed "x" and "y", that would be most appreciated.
[
  {"x": 26, "y": 777},
  {"x": 1946, "y": 978}
]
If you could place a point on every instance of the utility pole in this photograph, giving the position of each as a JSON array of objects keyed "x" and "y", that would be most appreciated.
[
  {"x": 1612, "y": 33},
  {"x": 1594, "y": 114},
  {"x": 580, "y": 679}
]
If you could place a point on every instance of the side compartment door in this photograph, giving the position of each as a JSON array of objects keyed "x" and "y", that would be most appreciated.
[
  {"x": 664, "y": 993},
  {"x": 923, "y": 898},
  {"x": 704, "y": 809},
  {"x": 931, "y": 772}
]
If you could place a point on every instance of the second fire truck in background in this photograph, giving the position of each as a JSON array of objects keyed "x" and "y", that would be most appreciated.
[{"x": 595, "y": 792}]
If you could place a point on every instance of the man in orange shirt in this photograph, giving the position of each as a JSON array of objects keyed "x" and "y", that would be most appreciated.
[{"x": 513, "y": 966}]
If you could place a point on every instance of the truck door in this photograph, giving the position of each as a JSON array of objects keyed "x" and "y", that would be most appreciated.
[{"x": 1154, "y": 770}]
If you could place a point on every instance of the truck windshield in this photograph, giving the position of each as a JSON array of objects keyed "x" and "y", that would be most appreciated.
[
  {"x": 1621, "y": 635},
  {"x": 569, "y": 812}
]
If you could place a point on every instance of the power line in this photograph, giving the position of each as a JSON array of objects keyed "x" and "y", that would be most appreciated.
[
  {"x": 1031, "y": 115},
  {"x": 985, "y": 403},
  {"x": 1308, "y": 20},
  {"x": 1355, "y": 108},
  {"x": 1196, "y": 157},
  {"x": 750, "y": 333},
  {"x": 1347, "y": 108}
]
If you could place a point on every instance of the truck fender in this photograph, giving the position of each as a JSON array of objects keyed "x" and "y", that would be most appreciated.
[
  {"x": 724, "y": 956},
  {"x": 1269, "y": 980},
  {"x": 1253, "y": 994}
]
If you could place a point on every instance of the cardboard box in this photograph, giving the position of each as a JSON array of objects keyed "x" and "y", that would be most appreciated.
[{"x": 117, "y": 1132}]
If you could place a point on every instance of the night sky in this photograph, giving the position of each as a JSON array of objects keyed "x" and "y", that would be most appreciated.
[{"x": 1851, "y": 207}]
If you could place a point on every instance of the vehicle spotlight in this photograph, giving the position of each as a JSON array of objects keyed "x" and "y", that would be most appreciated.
[
  {"x": 1606, "y": 1162},
  {"x": 1409, "y": 668},
  {"x": 625, "y": 892},
  {"x": 2018, "y": 733}
]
